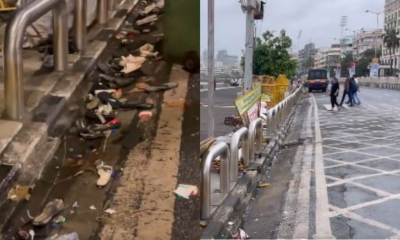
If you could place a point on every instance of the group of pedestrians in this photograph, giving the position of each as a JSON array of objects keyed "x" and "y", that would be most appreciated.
[{"x": 351, "y": 88}]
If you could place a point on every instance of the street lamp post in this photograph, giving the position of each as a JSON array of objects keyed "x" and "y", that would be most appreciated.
[
  {"x": 211, "y": 68},
  {"x": 377, "y": 23},
  {"x": 354, "y": 37}
]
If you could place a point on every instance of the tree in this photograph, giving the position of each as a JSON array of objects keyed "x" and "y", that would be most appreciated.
[
  {"x": 271, "y": 55},
  {"x": 365, "y": 61},
  {"x": 392, "y": 42},
  {"x": 345, "y": 63}
]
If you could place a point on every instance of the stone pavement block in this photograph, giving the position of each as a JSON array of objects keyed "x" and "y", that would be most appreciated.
[
  {"x": 388, "y": 183},
  {"x": 8, "y": 129},
  {"x": 386, "y": 213},
  {"x": 347, "y": 195},
  {"x": 348, "y": 171}
]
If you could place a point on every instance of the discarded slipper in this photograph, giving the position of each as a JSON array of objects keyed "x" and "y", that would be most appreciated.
[
  {"x": 49, "y": 211},
  {"x": 163, "y": 87},
  {"x": 105, "y": 173}
]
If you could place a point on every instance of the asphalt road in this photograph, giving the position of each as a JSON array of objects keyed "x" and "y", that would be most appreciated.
[
  {"x": 349, "y": 185},
  {"x": 224, "y": 107}
]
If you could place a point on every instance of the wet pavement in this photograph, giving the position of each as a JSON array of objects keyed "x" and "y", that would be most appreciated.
[
  {"x": 73, "y": 178},
  {"x": 361, "y": 154},
  {"x": 224, "y": 106}
]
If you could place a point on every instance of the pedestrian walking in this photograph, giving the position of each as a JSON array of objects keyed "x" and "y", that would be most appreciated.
[
  {"x": 334, "y": 94},
  {"x": 357, "y": 89},
  {"x": 346, "y": 91}
]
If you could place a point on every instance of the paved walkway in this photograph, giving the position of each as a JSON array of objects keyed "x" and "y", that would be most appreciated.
[{"x": 361, "y": 156}]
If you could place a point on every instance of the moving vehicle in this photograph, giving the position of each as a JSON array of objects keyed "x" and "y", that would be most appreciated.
[{"x": 317, "y": 80}]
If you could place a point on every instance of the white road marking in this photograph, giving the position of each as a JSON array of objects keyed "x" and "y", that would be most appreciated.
[{"x": 322, "y": 222}]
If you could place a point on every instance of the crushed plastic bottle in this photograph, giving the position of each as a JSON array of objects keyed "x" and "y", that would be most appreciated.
[{"x": 70, "y": 236}]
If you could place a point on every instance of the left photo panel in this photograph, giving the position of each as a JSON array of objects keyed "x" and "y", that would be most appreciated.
[{"x": 100, "y": 119}]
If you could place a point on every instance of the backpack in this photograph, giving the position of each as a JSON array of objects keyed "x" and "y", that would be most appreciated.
[{"x": 353, "y": 85}]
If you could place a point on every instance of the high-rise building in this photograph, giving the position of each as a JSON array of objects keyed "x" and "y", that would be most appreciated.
[
  {"x": 392, "y": 21},
  {"x": 306, "y": 57},
  {"x": 226, "y": 59},
  {"x": 367, "y": 40},
  {"x": 346, "y": 44}
]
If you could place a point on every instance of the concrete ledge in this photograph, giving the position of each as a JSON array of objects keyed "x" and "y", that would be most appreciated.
[
  {"x": 28, "y": 148},
  {"x": 235, "y": 204}
]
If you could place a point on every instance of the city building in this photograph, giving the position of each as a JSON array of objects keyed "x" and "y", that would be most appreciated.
[
  {"x": 306, "y": 57},
  {"x": 392, "y": 20},
  {"x": 226, "y": 59},
  {"x": 367, "y": 40},
  {"x": 347, "y": 45},
  {"x": 327, "y": 58},
  {"x": 205, "y": 58}
]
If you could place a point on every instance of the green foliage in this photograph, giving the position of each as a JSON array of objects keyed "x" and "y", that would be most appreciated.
[
  {"x": 271, "y": 55},
  {"x": 392, "y": 42},
  {"x": 365, "y": 60},
  {"x": 345, "y": 62}
]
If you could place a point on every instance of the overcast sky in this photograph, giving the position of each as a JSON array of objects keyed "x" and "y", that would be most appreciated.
[{"x": 319, "y": 20}]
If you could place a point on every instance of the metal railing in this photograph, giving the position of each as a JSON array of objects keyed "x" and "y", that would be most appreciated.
[
  {"x": 255, "y": 137},
  {"x": 242, "y": 135},
  {"x": 219, "y": 150},
  {"x": 30, "y": 11},
  {"x": 252, "y": 141},
  {"x": 13, "y": 41}
]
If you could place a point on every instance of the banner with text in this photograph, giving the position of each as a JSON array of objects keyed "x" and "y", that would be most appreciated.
[{"x": 248, "y": 105}]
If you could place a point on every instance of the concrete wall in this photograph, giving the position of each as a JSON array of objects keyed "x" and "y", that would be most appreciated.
[{"x": 181, "y": 28}]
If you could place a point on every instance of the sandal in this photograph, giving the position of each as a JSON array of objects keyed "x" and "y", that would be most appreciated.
[
  {"x": 49, "y": 211},
  {"x": 105, "y": 173}
]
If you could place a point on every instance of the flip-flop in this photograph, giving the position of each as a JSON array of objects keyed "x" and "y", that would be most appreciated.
[
  {"x": 105, "y": 173},
  {"x": 49, "y": 211},
  {"x": 163, "y": 87}
]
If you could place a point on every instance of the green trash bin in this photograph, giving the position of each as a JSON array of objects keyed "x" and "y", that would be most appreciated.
[{"x": 182, "y": 33}]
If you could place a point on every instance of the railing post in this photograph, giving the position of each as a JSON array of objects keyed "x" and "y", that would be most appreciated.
[
  {"x": 102, "y": 14},
  {"x": 13, "y": 41},
  {"x": 255, "y": 136},
  {"x": 80, "y": 25},
  {"x": 219, "y": 150},
  {"x": 243, "y": 136}
]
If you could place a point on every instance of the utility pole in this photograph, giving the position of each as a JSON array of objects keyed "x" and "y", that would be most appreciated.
[
  {"x": 377, "y": 25},
  {"x": 210, "y": 68},
  {"x": 249, "y": 47}
]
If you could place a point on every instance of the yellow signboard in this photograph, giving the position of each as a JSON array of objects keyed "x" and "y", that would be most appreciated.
[{"x": 246, "y": 101}]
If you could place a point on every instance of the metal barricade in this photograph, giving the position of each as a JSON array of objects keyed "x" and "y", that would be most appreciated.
[
  {"x": 13, "y": 41},
  {"x": 219, "y": 150},
  {"x": 255, "y": 137},
  {"x": 80, "y": 25},
  {"x": 242, "y": 135},
  {"x": 102, "y": 11}
]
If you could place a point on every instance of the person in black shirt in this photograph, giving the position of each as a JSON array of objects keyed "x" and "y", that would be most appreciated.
[{"x": 334, "y": 93}]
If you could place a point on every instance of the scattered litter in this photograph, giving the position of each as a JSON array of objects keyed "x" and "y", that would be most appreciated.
[
  {"x": 255, "y": 220},
  {"x": 240, "y": 235},
  {"x": 203, "y": 223},
  {"x": 145, "y": 114},
  {"x": 60, "y": 219},
  {"x": 54, "y": 236},
  {"x": 32, "y": 233},
  {"x": 92, "y": 207},
  {"x": 70, "y": 236},
  {"x": 24, "y": 235},
  {"x": 230, "y": 223},
  {"x": 19, "y": 193},
  {"x": 339, "y": 215},
  {"x": 186, "y": 191},
  {"x": 263, "y": 185},
  {"x": 110, "y": 211},
  {"x": 29, "y": 214},
  {"x": 75, "y": 205}
]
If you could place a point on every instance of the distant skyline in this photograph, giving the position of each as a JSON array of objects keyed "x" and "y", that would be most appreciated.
[{"x": 319, "y": 21}]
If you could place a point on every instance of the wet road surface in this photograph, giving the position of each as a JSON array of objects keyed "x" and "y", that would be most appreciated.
[
  {"x": 348, "y": 181},
  {"x": 224, "y": 106}
]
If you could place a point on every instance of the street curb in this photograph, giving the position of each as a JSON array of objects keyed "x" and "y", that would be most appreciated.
[
  {"x": 228, "y": 217},
  {"x": 32, "y": 148}
]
